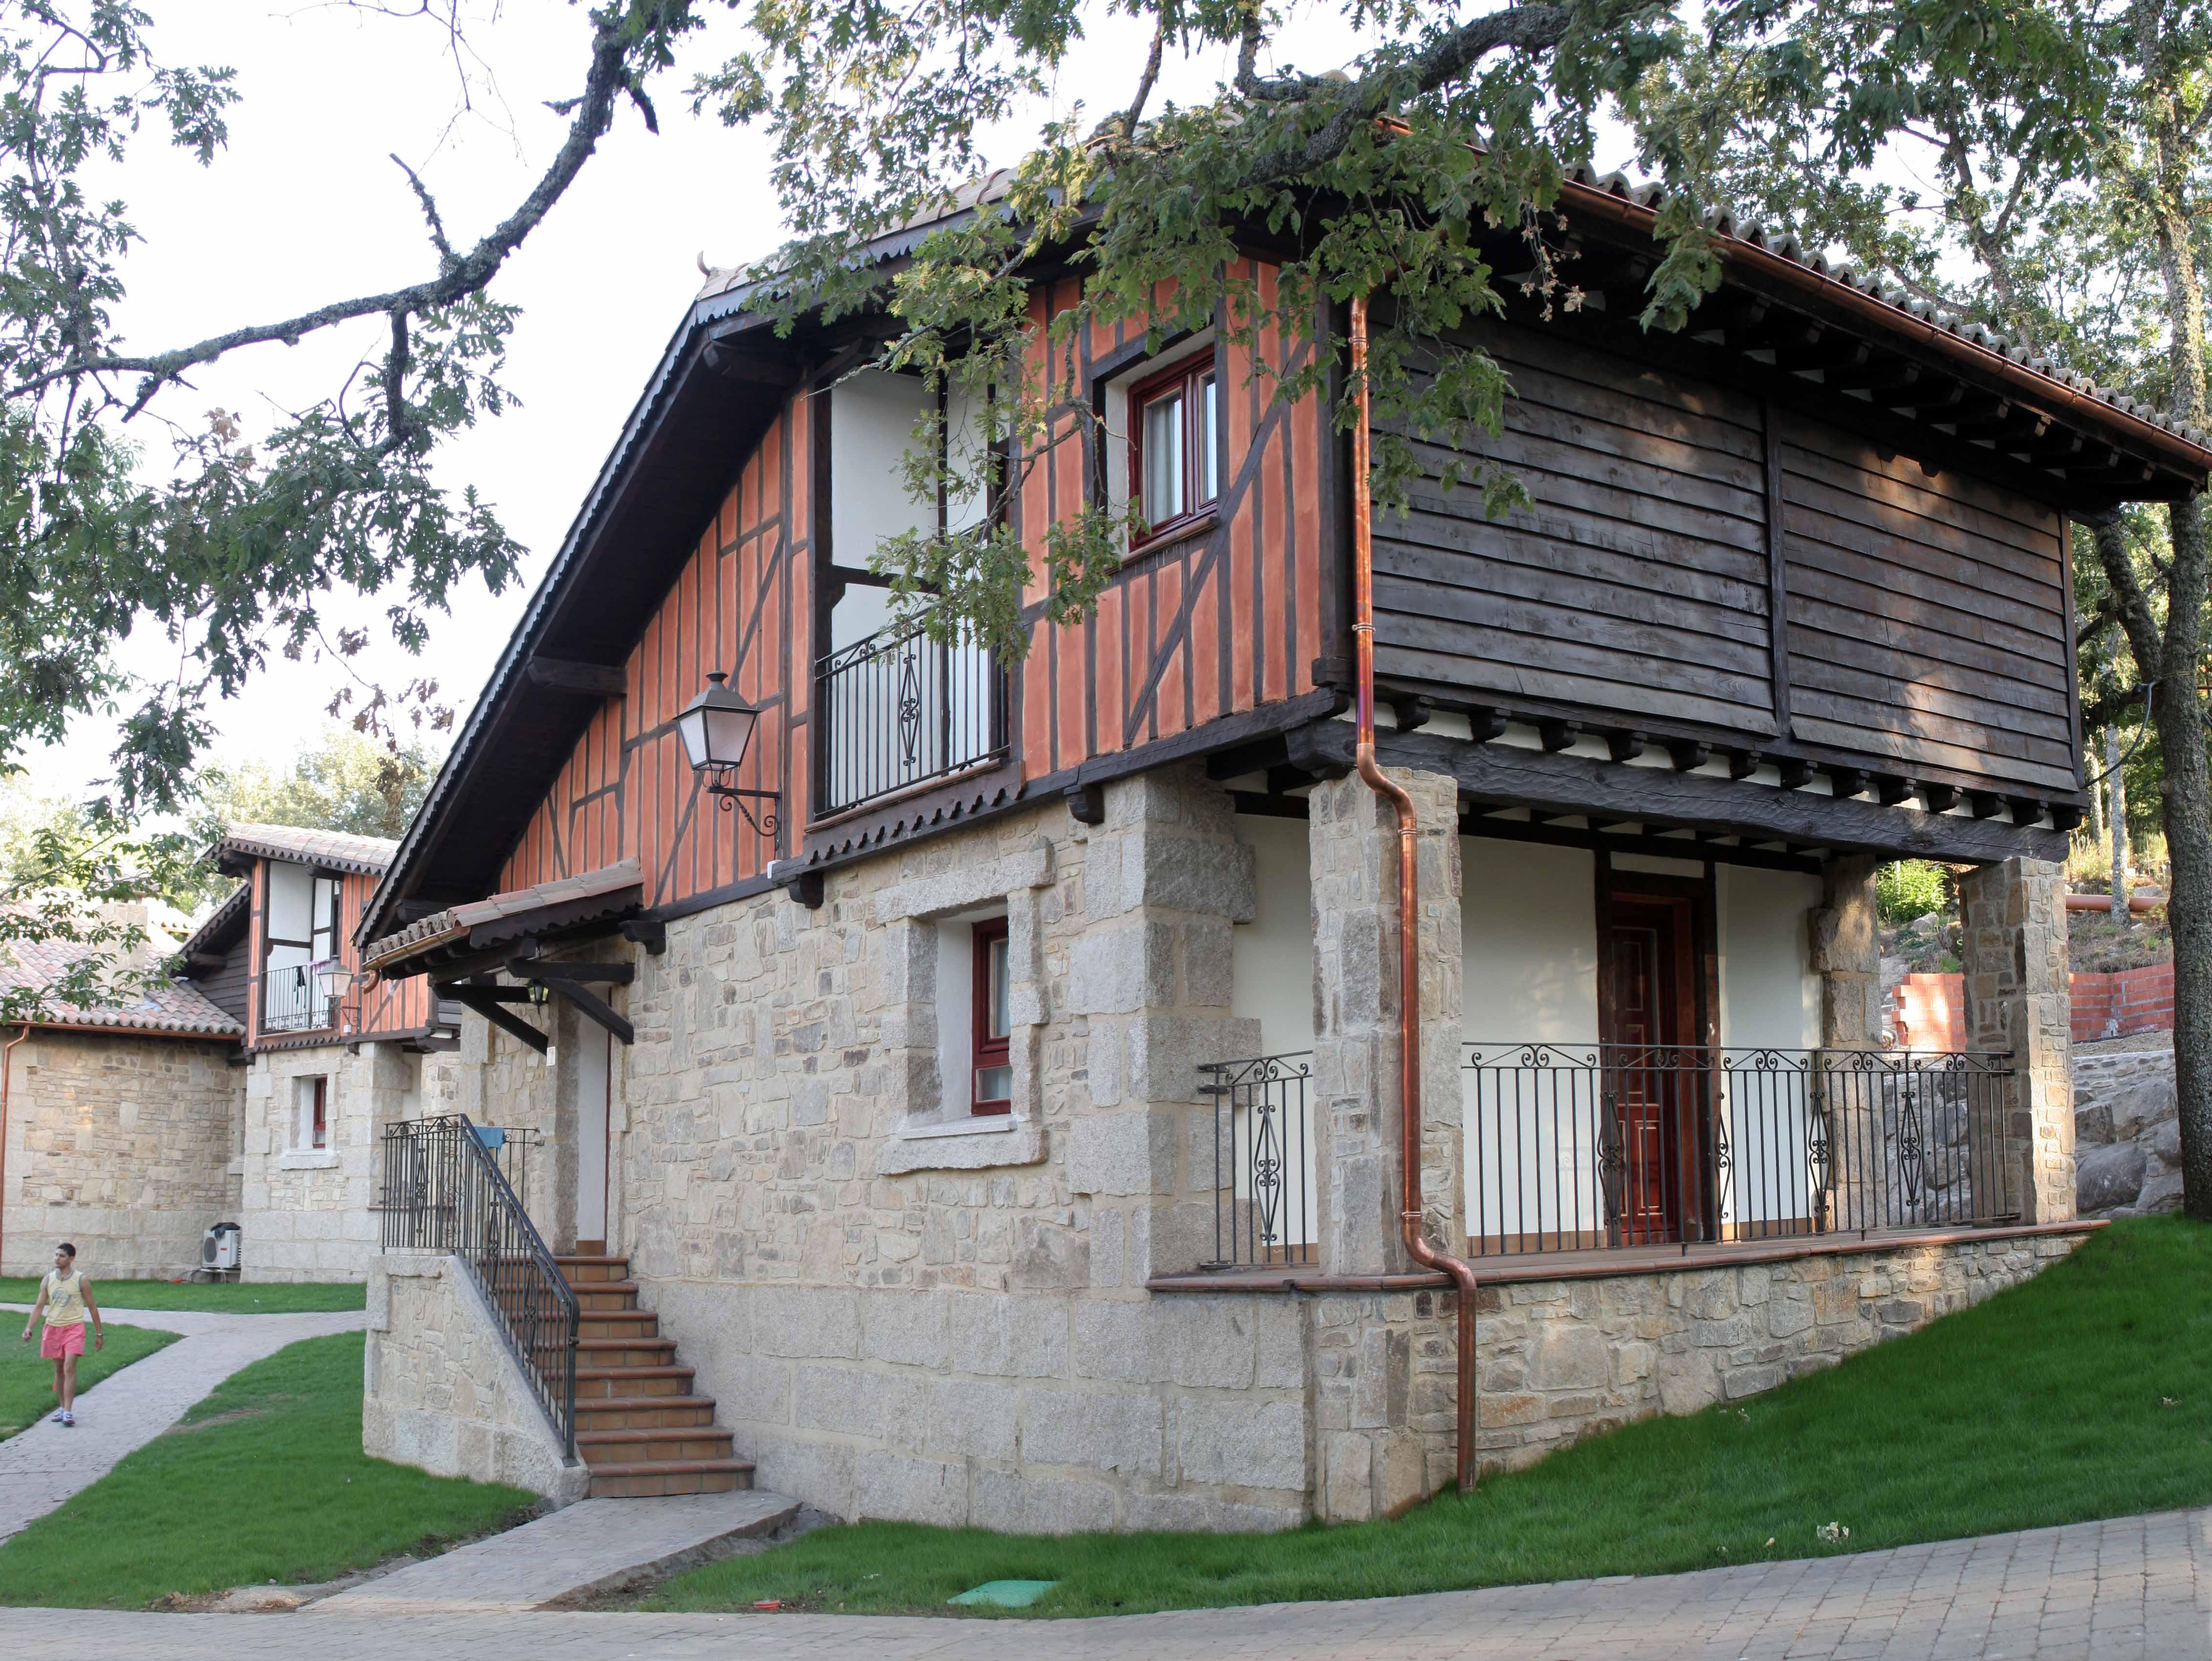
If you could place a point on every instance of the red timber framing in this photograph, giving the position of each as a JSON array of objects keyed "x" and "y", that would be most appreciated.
[{"x": 370, "y": 1009}]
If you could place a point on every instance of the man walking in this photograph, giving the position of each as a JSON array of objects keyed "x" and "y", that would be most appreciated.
[{"x": 65, "y": 1299}]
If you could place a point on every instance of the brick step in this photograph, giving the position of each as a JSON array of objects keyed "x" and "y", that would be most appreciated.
[
  {"x": 656, "y": 1478},
  {"x": 583, "y": 1270},
  {"x": 624, "y": 1351},
  {"x": 653, "y": 1446},
  {"x": 643, "y": 1412},
  {"x": 605, "y": 1381},
  {"x": 617, "y": 1324},
  {"x": 605, "y": 1294}
]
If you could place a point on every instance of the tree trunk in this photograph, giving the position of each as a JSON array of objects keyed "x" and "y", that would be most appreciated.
[
  {"x": 2118, "y": 820},
  {"x": 2186, "y": 808}
]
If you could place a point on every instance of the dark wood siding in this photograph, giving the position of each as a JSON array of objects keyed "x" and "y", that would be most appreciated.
[
  {"x": 1636, "y": 579},
  {"x": 230, "y": 989},
  {"x": 1927, "y": 616}
]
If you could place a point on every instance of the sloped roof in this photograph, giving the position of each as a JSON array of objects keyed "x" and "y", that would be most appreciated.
[
  {"x": 334, "y": 850},
  {"x": 224, "y": 924},
  {"x": 569, "y": 896},
  {"x": 172, "y": 1009}
]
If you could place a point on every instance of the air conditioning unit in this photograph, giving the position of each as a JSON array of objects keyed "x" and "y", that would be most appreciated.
[{"x": 219, "y": 1247}]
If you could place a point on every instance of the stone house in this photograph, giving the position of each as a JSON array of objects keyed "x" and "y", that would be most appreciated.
[
  {"x": 975, "y": 1097},
  {"x": 117, "y": 1126}
]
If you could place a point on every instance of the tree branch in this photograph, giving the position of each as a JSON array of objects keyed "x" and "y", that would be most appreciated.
[
  {"x": 446, "y": 258},
  {"x": 461, "y": 276},
  {"x": 1145, "y": 83}
]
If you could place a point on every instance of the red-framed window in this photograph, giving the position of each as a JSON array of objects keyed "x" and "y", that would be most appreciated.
[
  {"x": 319, "y": 1089},
  {"x": 993, "y": 1091},
  {"x": 1175, "y": 446}
]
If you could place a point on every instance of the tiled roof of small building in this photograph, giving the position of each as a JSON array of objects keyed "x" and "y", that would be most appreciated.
[
  {"x": 457, "y": 920},
  {"x": 174, "y": 1009},
  {"x": 335, "y": 850}
]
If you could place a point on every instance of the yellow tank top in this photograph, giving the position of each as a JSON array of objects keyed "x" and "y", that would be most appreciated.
[{"x": 65, "y": 1298}]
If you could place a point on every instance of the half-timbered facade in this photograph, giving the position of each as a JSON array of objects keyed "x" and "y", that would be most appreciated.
[{"x": 990, "y": 1080}]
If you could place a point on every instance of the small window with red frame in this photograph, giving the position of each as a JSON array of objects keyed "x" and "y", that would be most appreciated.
[
  {"x": 1174, "y": 446},
  {"x": 319, "y": 1126},
  {"x": 994, "y": 1083}
]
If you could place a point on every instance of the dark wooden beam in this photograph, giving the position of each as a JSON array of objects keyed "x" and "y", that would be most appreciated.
[
  {"x": 549, "y": 970},
  {"x": 1742, "y": 764},
  {"x": 2065, "y": 816},
  {"x": 480, "y": 999},
  {"x": 1889, "y": 789},
  {"x": 596, "y": 1007},
  {"x": 1688, "y": 754},
  {"x": 650, "y": 932},
  {"x": 1598, "y": 789},
  {"x": 1662, "y": 846},
  {"x": 1984, "y": 804},
  {"x": 1845, "y": 782},
  {"x": 1796, "y": 773},
  {"x": 1623, "y": 744},
  {"x": 1086, "y": 803},
  {"x": 599, "y": 680},
  {"x": 1485, "y": 723},
  {"x": 1557, "y": 734},
  {"x": 2026, "y": 810},
  {"x": 1938, "y": 798},
  {"x": 1413, "y": 711}
]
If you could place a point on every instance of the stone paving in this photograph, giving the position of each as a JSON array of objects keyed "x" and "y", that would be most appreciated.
[
  {"x": 2132, "y": 1587},
  {"x": 47, "y": 1463},
  {"x": 594, "y": 1547}
]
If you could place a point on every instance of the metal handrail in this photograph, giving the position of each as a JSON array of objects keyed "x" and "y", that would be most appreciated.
[
  {"x": 1263, "y": 1204},
  {"x": 442, "y": 1191},
  {"x": 899, "y": 708}
]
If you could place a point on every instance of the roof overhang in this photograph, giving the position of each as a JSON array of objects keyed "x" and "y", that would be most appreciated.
[{"x": 480, "y": 935}]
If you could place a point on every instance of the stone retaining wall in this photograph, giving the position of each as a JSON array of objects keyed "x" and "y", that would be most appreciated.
[
  {"x": 439, "y": 1390},
  {"x": 1564, "y": 1359},
  {"x": 122, "y": 1144}
]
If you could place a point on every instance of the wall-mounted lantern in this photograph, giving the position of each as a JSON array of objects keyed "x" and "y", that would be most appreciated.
[{"x": 717, "y": 729}]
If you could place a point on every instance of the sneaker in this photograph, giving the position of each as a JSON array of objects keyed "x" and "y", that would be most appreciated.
[
  {"x": 59, "y": 1417},
  {"x": 69, "y": 1419}
]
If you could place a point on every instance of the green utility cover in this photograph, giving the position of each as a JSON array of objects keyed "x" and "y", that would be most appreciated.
[{"x": 1008, "y": 1594}]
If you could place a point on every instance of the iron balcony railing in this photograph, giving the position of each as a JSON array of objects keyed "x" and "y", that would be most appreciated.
[
  {"x": 1263, "y": 1167},
  {"x": 899, "y": 709},
  {"x": 442, "y": 1188},
  {"x": 296, "y": 1000},
  {"x": 1592, "y": 1145}
]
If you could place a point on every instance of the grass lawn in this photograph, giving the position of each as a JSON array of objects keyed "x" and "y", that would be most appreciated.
[
  {"x": 26, "y": 1380},
  {"x": 261, "y": 1298},
  {"x": 2085, "y": 1393},
  {"x": 265, "y": 1480}
]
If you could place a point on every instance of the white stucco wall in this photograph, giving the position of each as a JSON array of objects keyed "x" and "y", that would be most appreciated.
[
  {"x": 1272, "y": 956},
  {"x": 1769, "y": 998},
  {"x": 1528, "y": 916}
]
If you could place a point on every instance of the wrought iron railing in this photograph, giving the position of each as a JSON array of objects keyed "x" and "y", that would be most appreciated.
[
  {"x": 442, "y": 1188},
  {"x": 295, "y": 999},
  {"x": 898, "y": 709},
  {"x": 1263, "y": 1197},
  {"x": 1591, "y": 1146}
]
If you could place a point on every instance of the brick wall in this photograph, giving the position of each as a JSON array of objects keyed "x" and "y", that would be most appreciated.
[
  {"x": 124, "y": 1146},
  {"x": 1930, "y": 1009}
]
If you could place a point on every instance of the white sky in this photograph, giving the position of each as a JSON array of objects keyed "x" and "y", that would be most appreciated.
[{"x": 305, "y": 207}]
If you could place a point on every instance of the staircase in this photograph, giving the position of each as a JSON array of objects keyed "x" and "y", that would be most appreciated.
[{"x": 638, "y": 1426}]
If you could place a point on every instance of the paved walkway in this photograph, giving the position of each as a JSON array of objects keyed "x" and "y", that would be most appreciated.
[
  {"x": 596, "y": 1547},
  {"x": 2135, "y": 1587},
  {"x": 47, "y": 1463}
]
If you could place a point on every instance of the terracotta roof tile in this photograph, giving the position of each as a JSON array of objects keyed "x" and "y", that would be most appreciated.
[{"x": 176, "y": 1009}]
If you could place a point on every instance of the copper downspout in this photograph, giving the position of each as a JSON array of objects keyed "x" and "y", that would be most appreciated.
[
  {"x": 7, "y": 1056},
  {"x": 1409, "y": 978}
]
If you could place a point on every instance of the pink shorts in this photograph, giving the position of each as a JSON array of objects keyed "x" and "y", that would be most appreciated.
[{"x": 58, "y": 1341}]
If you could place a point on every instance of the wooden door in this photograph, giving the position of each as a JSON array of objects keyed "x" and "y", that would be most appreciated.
[{"x": 1654, "y": 1086}]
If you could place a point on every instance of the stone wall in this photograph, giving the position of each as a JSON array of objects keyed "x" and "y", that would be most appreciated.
[
  {"x": 1569, "y": 1358},
  {"x": 123, "y": 1145},
  {"x": 2128, "y": 1131},
  {"x": 308, "y": 1214},
  {"x": 440, "y": 1391}
]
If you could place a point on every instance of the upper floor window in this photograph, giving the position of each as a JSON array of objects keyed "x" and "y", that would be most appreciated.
[
  {"x": 301, "y": 938},
  {"x": 993, "y": 1031},
  {"x": 1174, "y": 445}
]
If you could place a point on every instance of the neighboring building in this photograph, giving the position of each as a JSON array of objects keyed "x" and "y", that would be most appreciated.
[
  {"x": 328, "y": 1055},
  {"x": 1002, "y": 1115},
  {"x": 120, "y": 1127}
]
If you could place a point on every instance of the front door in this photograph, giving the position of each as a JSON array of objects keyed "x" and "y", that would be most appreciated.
[{"x": 1654, "y": 1079}]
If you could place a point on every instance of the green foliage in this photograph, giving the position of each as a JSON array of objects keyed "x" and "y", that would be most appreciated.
[
  {"x": 1905, "y": 889},
  {"x": 274, "y": 1455},
  {"x": 2086, "y": 1393},
  {"x": 27, "y": 1378},
  {"x": 1381, "y": 181},
  {"x": 343, "y": 781}
]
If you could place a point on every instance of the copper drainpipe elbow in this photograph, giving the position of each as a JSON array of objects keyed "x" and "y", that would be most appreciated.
[
  {"x": 1410, "y": 1219},
  {"x": 7, "y": 1058}
]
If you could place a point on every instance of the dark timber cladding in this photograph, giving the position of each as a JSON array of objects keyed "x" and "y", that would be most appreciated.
[
  {"x": 1637, "y": 578},
  {"x": 1924, "y": 613}
]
